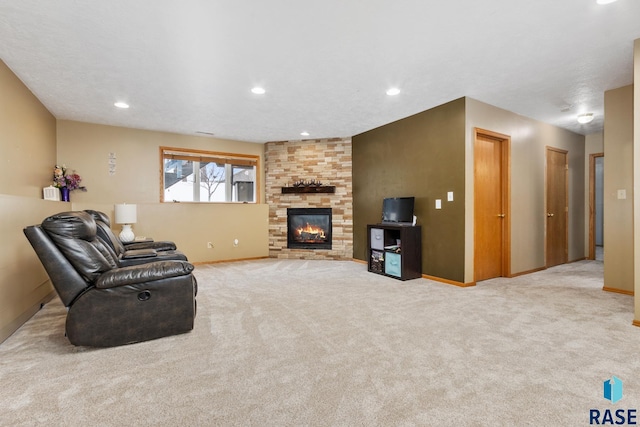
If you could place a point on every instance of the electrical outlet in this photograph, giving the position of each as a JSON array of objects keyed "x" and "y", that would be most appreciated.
[{"x": 209, "y": 245}]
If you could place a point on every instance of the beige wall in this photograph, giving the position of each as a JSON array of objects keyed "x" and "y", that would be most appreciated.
[
  {"x": 636, "y": 178},
  {"x": 86, "y": 147},
  {"x": 192, "y": 225},
  {"x": 529, "y": 139},
  {"x": 28, "y": 138},
  {"x": 593, "y": 144},
  {"x": 618, "y": 166},
  {"x": 28, "y": 144}
]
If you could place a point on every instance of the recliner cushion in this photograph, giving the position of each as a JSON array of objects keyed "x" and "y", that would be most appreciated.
[
  {"x": 99, "y": 216},
  {"x": 103, "y": 231},
  {"x": 75, "y": 235}
]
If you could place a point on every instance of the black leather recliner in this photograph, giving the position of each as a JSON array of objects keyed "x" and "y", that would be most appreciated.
[
  {"x": 110, "y": 305},
  {"x": 133, "y": 253}
]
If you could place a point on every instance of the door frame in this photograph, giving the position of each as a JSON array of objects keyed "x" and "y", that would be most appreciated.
[
  {"x": 505, "y": 151},
  {"x": 566, "y": 201},
  {"x": 592, "y": 204}
]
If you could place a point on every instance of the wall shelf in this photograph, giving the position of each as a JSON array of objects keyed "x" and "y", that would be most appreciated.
[{"x": 309, "y": 189}]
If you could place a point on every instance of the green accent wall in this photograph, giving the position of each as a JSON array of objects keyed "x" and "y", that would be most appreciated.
[{"x": 422, "y": 156}]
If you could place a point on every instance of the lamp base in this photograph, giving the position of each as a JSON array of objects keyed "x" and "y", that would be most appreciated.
[{"x": 126, "y": 235}]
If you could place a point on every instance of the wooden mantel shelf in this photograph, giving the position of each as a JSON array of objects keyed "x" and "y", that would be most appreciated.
[{"x": 309, "y": 189}]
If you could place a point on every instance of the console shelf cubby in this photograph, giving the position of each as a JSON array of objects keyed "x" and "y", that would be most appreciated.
[{"x": 395, "y": 250}]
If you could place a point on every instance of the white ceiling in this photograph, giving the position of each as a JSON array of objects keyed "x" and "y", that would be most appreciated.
[{"x": 188, "y": 66}]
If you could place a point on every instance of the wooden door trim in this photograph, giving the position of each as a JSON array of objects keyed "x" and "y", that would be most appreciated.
[
  {"x": 506, "y": 196},
  {"x": 566, "y": 201},
  {"x": 592, "y": 204}
]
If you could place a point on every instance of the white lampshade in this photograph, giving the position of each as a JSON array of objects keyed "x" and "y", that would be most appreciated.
[{"x": 126, "y": 214}]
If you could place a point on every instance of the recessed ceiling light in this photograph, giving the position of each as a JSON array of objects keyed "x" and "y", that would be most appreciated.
[
  {"x": 585, "y": 118},
  {"x": 605, "y": 1},
  {"x": 393, "y": 91},
  {"x": 120, "y": 104},
  {"x": 305, "y": 133},
  {"x": 258, "y": 90}
]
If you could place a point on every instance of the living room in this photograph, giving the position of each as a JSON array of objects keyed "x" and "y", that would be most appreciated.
[{"x": 86, "y": 148}]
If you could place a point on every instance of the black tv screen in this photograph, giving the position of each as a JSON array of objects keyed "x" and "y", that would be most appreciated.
[{"x": 398, "y": 209}]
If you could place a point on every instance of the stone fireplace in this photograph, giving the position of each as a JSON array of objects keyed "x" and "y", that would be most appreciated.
[{"x": 323, "y": 160}]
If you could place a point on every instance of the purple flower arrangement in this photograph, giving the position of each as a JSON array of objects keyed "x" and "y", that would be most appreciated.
[{"x": 62, "y": 179}]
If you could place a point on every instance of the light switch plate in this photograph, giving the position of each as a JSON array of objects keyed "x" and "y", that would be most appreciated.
[
  {"x": 622, "y": 194},
  {"x": 450, "y": 196},
  {"x": 438, "y": 204}
]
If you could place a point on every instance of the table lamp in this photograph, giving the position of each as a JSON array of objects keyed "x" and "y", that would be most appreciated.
[{"x": 126, "y": 215}]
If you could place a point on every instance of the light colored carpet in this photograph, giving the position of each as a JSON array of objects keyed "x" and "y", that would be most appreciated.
[{"x": 325, "y": 343}]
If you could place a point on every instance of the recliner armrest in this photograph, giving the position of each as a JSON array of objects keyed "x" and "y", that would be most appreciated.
[
  {"x": 158, "y": 246},
  {"x": 139, "y": 253},
  {"x": 143, "y": 273}
]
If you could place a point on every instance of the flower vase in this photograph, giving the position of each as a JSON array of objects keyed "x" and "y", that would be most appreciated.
[{"x": 64, "y": 194}]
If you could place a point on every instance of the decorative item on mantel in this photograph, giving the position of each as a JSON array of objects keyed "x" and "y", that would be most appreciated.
[
  {"x": 66, "y": 182},
  {"x": 308, "y": 186},
  {"x": 310, "y": 183}
]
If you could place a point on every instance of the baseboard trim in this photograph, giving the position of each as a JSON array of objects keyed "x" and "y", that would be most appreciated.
[
  {"x": 229, "y": 260},
  {"x": 449, "y": 282},
  {"x": 636, "y": 323},
  {"x": 617, "y": 291},
  {"x": 522, "y": 273},
  {"x": 9, "y": 329},
  {"x": 535, "y": 270},
  {"x": 434, "y": 278}
]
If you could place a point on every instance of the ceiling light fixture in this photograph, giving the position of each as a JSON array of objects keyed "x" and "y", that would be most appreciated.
[
  {"x": 121, "y": 104},
  {"x": 605, "y": 1},
  {"x": 305, "y": 133},
  {"x": 393, "y": 91},
  {"x": 585, "y": 118},
  {"x": 258, "y": 90}
]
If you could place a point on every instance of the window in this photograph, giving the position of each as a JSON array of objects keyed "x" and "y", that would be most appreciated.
[{"x": 207, "y": 176}]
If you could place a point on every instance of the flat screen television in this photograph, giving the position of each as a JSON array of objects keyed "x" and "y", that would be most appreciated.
[{"x": 398, "y": 209}]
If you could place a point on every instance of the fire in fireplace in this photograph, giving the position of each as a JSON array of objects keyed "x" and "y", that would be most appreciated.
[{"x": 309, "y": 228}]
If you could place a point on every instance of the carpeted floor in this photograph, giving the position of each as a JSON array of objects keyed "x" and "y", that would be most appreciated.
[{"x": 325, "y": 343}]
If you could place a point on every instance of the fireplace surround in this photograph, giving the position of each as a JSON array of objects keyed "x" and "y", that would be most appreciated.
[
  {"x": 325, "y": 160},
  {"x": 309, "y": 228}
]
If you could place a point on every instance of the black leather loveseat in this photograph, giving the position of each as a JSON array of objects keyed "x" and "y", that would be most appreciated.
[{"x": 109, "y": 305}]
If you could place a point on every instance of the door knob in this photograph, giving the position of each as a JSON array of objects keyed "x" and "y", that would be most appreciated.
[
  {"x": 500, "y": 215},
  {"x": 549, "y": 214}
]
